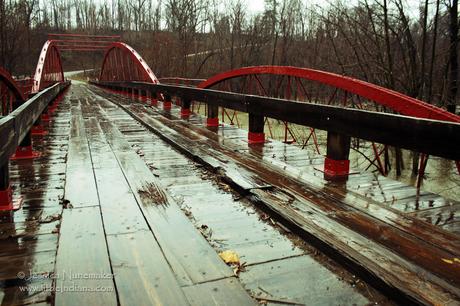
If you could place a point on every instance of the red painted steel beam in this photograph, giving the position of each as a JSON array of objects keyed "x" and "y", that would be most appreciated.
[
  {"x": 80, "y": 41},
  {"x": 11, "y": 84},
  {"x": 49, "y": 67},
  {"x": 82, "y": 49},
  {"x": 133, "y": 65},
  {"x": 88, "y": 44},
  {"x": 115, "y": 37},
  {"x": 394, "y": 100}
]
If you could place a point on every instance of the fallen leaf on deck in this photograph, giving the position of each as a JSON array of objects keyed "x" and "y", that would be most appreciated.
[{"x": 230, "y": 257}]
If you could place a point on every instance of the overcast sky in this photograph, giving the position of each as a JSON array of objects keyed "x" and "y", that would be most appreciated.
[{"x": 257, "y": 6}]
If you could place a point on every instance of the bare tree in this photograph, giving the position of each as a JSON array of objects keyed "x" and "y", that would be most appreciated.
[{"x": 453, "y": 57}]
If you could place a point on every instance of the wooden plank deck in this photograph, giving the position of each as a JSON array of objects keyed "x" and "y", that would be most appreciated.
[
  {"x": 137, "y": 233},
  {"x": 29, "y": 237},
  {"x": 413, "y": 242},
  {"x": 231, "y": 223},
  {"x": 122, "y": 213}
]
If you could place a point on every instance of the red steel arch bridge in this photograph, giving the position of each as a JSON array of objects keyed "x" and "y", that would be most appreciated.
[{"x": 232, "y": 190}]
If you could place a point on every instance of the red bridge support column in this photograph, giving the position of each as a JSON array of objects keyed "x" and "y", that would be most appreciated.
[
  {"x": 337, "y": 164},
  {"x": 25, "y": 149},
  {"x": 213, "y": 116},
  {"x": 256, "y": 129},
  {"x": 167, "y": 103},
  {"x": 46, "y": 115},
  {"x": 142, "y": 95},
  {"x": 38, "y": 129},
  {"x": 7, "y": 202},
  {"x": 185, "y": 108},
  {"x": 153, "y": 98}
]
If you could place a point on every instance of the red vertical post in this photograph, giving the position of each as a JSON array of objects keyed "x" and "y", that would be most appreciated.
[
  {"x": 6, "y": 195},
  {"x": 213, "y": 116},
  {"x": 143, "y": 94},
  {"x": 7, "y": 203},
  {"x": 154, "y": 98},
  {"x": 185, "y": 108},
  {"x": 256, "y": 129},
  {"x": 25, "y": 149},
  {"x": 337, "y": 164},
  {"x": 38, "y": 128},
  {"x": 167, "y": 102}
]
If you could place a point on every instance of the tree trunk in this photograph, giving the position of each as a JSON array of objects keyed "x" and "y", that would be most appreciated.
[{"x": 453, "y": 62}]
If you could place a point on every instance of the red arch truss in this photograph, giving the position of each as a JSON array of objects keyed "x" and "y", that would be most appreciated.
[
  {"x": 10, "y": 85},
  {"x": 9, "y": 93},
  {"x": 49, "y": 67},
  {"x": 123, "y": 63},
  {"x": 391, "y": 99}
]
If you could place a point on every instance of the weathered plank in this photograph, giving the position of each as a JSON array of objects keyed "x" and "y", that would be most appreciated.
[
  {"x": 405, "y": 268},
  {"x": 300, "y": 280},
  {"x": 225, "y": 292},
  {"x": 142, "y": 274},
  {"x": 83, "y": 272},
  {"x": 80, "y": 185},
  {"x": 188, "y": 253},
  {"x": 82, "y": 246},
  {"x": 313, "y": 188},
  {"x": 120, "y": 210}
]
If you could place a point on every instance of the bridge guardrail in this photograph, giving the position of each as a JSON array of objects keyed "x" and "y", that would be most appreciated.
[
  {"x": 15, "y": 133},
  {"x": 434, "y": 137}
]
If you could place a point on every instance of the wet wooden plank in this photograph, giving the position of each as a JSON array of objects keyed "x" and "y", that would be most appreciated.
[
  {"x": 226, "y": 292},
  {"x": 225, "y": 222},
  {"x": 119, "y": 207},
  {"x": 83, "y": 250},
  {"x": 34, "y": 214},
  {"x": 248, "y": 163},
  {"x": 24, "y": 245},
  {"x": 36, "y": 292},
  {"x": 80, "y": 185},
  {"x": 28, "y": 228},
  {"x": 387, "y": 265},
  {"x": 317, "y": 188},
  {"x": 300, "y": 280},
  {"x": 453, "y": 227},
  {"x": 142, "y": 274},
  {"x": 28, "y": 262},
  {"x": 237, "y": 228},
  {"x": 215, "y": 159},
  {"x": 440, "y": 215},
  {"x": 189, "y": 254},
  {"x": 29, "y": 236}
]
